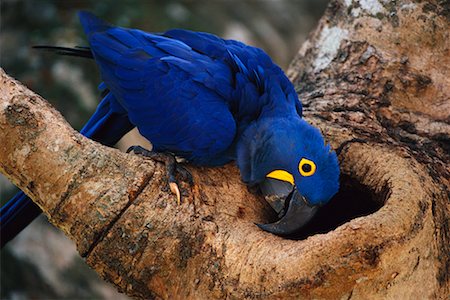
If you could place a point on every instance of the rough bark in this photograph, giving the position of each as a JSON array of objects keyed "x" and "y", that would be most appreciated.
[{"x": 374, "y": 71}]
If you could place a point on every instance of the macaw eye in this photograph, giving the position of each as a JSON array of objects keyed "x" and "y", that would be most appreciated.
[{"x": 306, "y": 167}]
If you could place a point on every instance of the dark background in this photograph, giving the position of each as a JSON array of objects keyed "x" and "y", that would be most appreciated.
[{"x": 41, "y": 263}]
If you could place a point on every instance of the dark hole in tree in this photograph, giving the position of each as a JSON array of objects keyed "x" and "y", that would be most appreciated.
[{"x": 353, "y": 200}]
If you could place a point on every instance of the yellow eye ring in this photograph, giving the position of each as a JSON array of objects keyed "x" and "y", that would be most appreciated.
[{"x": 306, "y": 167}]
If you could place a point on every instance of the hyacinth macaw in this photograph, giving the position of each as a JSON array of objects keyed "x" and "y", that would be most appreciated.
[{"x": 209, "y": 101}]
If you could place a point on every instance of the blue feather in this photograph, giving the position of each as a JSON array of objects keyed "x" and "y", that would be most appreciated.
[
  {"x": 201, "y": 97},
  {"x": 91, "y": 23}
]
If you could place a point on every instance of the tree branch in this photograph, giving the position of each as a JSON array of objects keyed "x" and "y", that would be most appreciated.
[{"x": 125, "y": 222}]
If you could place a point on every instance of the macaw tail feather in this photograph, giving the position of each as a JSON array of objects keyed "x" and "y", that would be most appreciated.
[
  {"x": 107, "y": 126},
  {"x": 15, "y": 215},
  {"x": 76, "y": 51},
  {"x": 109, "y": 123},
  {"x": 91, "y": 24}
]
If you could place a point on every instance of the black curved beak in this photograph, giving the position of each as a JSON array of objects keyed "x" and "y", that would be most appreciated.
[{"x": 296, "y": 212}]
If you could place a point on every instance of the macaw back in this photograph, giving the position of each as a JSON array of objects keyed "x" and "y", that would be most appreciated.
[{"x": 187, "y": 92}]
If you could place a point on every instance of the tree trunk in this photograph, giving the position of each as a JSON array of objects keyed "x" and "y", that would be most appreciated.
[{"x": 375, "y": 71}]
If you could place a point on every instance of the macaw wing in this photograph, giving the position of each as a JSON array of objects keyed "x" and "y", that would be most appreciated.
[
  {"x": 176, "y": 96},
  {"x": 252, "y": 62}
]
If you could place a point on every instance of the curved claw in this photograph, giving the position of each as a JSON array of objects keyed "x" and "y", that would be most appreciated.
[
  {"x": 131, "y": 148},
  {"x": 175, "y": 190},
  {"x": 171, "y": 166},
  {"x": 297, "y": 215},
  {"x": 138, "y": 150}
]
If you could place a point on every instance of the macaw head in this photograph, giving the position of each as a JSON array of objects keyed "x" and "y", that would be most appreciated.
[{"x": 294, "y": 168}]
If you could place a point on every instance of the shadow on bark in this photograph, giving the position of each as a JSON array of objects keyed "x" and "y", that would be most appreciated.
[{"x": 352, "y": 201}]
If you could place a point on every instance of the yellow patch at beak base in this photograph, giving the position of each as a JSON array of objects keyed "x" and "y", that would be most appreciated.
[{"x": 281, "y": 175}]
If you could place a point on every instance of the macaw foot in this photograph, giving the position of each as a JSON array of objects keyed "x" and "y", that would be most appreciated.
[{"x": 172, "y": 167}]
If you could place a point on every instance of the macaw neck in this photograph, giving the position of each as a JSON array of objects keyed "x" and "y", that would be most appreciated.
[
  {"x": 261, "y": 106},
  {"x": 256, "y": 140},
  {"x": 270, "y": 96}
]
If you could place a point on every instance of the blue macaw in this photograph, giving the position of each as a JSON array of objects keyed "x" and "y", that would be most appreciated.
[{"x": 209, "y": 101}]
